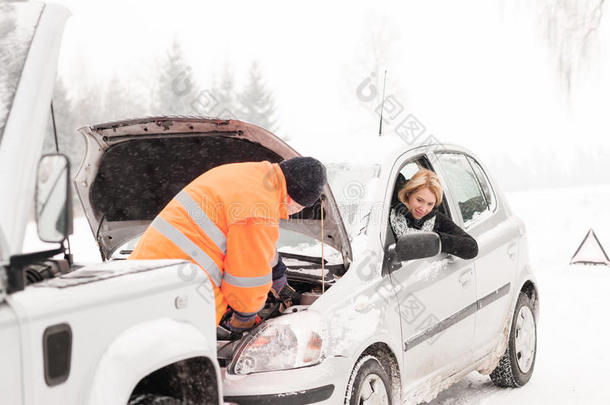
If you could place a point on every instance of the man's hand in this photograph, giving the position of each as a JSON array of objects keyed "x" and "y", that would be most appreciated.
[{"x": 237, "y": 323}]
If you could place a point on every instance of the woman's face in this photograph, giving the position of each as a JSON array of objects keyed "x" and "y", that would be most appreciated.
[{"x": 421, "y": 202}]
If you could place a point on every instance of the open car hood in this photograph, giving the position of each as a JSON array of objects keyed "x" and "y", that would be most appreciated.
[{"x": 133, "y": 168}]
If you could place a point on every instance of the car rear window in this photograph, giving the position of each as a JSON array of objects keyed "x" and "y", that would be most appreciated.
[
  {"x": 464, "y": 186},
  {"x": 488, "y": 192}
]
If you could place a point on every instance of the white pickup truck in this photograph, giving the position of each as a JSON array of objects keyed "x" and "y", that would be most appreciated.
[{"x": 117, "y": 332}]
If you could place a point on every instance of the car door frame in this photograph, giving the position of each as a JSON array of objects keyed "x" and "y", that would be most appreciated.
[
  {"x": 492, "y": 297},
  {"x": 430, "y": 370}
]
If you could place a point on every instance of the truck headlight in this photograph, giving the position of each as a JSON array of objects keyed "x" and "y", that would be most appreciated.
[{"x": 289, "y": 341}]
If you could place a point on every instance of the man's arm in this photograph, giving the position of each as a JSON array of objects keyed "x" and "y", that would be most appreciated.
[{"x": 247, "y": 270}]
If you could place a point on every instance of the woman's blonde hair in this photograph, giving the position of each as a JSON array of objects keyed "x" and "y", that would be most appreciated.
[{"x": 423, "y": 178}]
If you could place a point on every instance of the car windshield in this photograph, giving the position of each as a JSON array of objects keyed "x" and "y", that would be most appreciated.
[
  {"x": 17, "y": 26},
  {"x": 352, "y": 188},
  {"x": 298, "y": 243},
  {"x": 350, "y": 184}
]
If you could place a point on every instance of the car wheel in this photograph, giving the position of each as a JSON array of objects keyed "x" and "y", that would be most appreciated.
[
  {"x": 517, "y": 365},
  {"x": 369, "y": 384}
]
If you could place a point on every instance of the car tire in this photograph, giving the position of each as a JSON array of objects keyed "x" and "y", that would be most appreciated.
[
  {"x": 368, "y": 381},
  {"x": 517, "y": 365},
  {"x": 154, "y": 399}
]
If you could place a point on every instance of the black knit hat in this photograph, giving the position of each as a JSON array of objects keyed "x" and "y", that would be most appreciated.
[{"x": 305, "y": 177}]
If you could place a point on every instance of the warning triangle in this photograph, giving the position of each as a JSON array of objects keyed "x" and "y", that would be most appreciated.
[{"x": 590, "y": 251}]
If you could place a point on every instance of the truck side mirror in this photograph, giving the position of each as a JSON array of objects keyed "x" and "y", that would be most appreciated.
[
  {"x": 53, "y": 198},
  {"x": 416, "y": 245}
]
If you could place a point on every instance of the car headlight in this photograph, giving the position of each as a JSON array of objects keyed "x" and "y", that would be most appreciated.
[{"x": 289, "y": 341}]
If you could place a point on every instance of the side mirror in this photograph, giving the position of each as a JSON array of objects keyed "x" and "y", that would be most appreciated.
[
  {"x": 53, "y": 198},
  {"x": 416, "y": 245}
]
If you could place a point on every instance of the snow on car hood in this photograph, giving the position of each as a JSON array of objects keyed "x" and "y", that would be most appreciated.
[{"x": 133, "y": 168}]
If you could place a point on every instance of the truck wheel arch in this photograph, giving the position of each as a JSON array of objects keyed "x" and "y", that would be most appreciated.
[{"x": 142, "y": 350}]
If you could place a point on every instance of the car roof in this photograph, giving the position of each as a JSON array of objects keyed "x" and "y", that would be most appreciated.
[{"x": 425, "y": 147}]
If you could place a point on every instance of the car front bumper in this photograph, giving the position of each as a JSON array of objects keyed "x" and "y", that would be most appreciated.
[{"x": 324, "y": 383}]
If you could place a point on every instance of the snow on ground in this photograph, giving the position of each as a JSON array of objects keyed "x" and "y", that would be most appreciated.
[
  {"x": 573, "y": 361},
  {"x": 82, "y": 242}
]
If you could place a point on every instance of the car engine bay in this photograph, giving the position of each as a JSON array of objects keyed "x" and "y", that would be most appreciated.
[{"x": 305, "y": 285}]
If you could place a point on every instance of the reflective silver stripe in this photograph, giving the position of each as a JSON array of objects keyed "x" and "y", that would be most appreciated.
[
  {"x": 246, "y": 314},
  {"x": 247, "y": 281},
  {"x": 188, "y": 247},
  {"x": 205, "y": 223}
]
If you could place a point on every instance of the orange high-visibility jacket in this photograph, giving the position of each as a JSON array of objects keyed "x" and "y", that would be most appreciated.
[{"x": 227, "y": 222}]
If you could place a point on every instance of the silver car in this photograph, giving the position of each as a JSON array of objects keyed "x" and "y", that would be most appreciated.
[{"x": 365, "y": 325}]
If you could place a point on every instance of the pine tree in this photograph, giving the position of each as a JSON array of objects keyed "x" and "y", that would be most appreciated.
[
  {"x": 177, "y": 88},
  {"x": 118, "y": 102},
  {"x": 69, "y": 141},
  {"x": 66, "y": 121},
  {"x": 224, "y": 94},
  {"x": 256, "y": 102}
]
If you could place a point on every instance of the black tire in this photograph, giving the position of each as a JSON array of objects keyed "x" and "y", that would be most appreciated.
[
  {"x": 153, "y": 399},
  {"x": 367, "y": 368},
  {"x": 508, "y": 374}
]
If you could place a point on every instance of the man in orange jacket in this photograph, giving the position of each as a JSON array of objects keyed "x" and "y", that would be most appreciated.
[{"x": 227, "y": 222}]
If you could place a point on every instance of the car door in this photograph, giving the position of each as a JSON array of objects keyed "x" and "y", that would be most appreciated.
[
  {"x": 10, "y": 346},
  {"x": 10, "y": 343},
  {"x": 432, "y": 295},
  {"x": 486, "y": 220}
]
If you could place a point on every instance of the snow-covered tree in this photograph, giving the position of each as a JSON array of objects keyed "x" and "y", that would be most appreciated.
[
  {"x": 571, "y": 29},
  {"x": 256, "y": 101},
  {"x": 119, "y": 102},
  {"x": 225, "y": 98},
  {"x": 66, "y": 121},
  {"x": 177, "y": 87}
]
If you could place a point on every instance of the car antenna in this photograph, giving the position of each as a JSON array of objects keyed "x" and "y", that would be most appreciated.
[
  {"x": 54, "y": 128},
  {"x": 68, "y": 253},
  {"x": 322, "y": 227},
  {"x": 385, "y": 73}
]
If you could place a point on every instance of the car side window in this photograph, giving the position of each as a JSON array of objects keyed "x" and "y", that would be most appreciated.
[
  {"x": 464, "y": 186},
  {"x": 406, "y": 172},
  {"x": 410, "y": 169},
  {"x": 488, "y": 192}
]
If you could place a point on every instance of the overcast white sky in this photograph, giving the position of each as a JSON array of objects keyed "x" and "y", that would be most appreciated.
[{"x": 477, "y": 73}]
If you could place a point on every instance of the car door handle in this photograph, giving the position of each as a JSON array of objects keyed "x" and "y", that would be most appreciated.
[
  {"x": 511, "y": 250},
  {"x": 465, "y": 277}
]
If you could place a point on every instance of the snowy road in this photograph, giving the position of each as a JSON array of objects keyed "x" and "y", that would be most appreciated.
[
  {"x": 573, "y": 362},
  {"x": 574, "y": 332}
]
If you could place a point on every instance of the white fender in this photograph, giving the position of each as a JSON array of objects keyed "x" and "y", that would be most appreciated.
[{"x": 141, "y": 350}]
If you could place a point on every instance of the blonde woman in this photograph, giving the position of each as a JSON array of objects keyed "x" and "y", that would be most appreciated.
[{"x": 417, "y": 211}]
